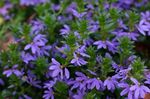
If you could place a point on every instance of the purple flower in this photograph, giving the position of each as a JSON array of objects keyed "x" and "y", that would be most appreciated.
[
  {"x": 144, "y": 24},
  {"x": 121, "y": 24},
  {"x": 132, "y": 58},
  {"x": 106, "y": 44},
  {"x": 49, "y": 84},
  {"x": 110, "y": 83},
  {"x": 77, "y": 14},
  {"x": 26, "y": 57},
  {"x": 38, "y": 41},
  {"x": 91, "y": 72},
  {"x": 147, "y": 79},
  {"x": 117, "y": 67},
  {"x": 124, "y": 73},
  {"x": 65, "y": 30},
  {"x": 56, "y": 7},
  {"x": 145, "y": 15},
  {"x": 38, "y": 46},
  {"x": 126, "y": 90},
  {"x": 79, "y": 95},
  {"x": 73, "y": 5},
  {"x": 78, "y": 60},
  {"x": 44, "y": 51},
  {"x": 14, "y": 71},
  {"x": 32, "y": 80},
  {"x": 62, "y": 51},
  {"x": 93, "y": 26},
  {"x": 87, "y": 42},
  {"x": 48, "y": 94},
  {"x": 130, "y": 35},
  {"x": 58, "y": 70},
  {"x": 82, "y": 51},
  {"x": 77, "y": 35},
  {"x": 139, "y": 90},
  {"x": 41, "y": 39},
  {"x": 5, "y": 9},
  {"x": 80, "y": 82},
  {"x": 37, "y": 27},
  {"x": 32, "y": 2},
  {"x": 100, "y": 44},
  {"x": 95, "y": 83},
  {"x": 1, "y": 82}
]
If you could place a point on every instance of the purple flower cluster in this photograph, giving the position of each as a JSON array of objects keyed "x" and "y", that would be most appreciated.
[
  {"x": 32, "y": 2},
  {"x": 4, "y": 11},
  {"x": 14, "y": 70},
  {"x": 144, "y": 24},
  {"x": 58, "y": 70},
  {"x": 78, "y": 50}
]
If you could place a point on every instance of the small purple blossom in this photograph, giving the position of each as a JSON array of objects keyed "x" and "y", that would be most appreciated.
[
  {"x": 48, "y": 94},
  {"x": 78, "y": 60},
  {"x": 4, "y": 11},
  {"x": 80, "y": 82},
  {"x": 93, "y": 26},
  {"x": 106, "y": 44},
  {"x": 77, "y": 14},
  {"x": 117, "y": 67},
  {"x": 37, "y": 27},
  {"x": 82, "y": 51},
  {"x": 144, "y": 24},
  {"x": 1, "y": 82},
  {"x": 130, "y": 35},
  {"x": 56, "y": 7},
  {"x": 32, "y": 80},
  {"x": 58, "y": 70},
  {"x": 14, "y": 71},
  {"x": 95, "y": 83},
  {"x": 26, "y": 57},
  {"x": 73, "y": 5},
  {"x": 65, "y": 30},
  {"x": 139, "y": 90},
  {"x": 126, "y": 90},
  {"x": 32, "y": 2},
  {"x": 38, "y": 46},
  {"x": 79, "y": 95},
  {"x": 110, "y": 83},
  {"x": 49, "y": 84}
]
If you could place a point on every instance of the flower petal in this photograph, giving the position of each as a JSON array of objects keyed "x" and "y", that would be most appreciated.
[{"x": 67, "y": 74}]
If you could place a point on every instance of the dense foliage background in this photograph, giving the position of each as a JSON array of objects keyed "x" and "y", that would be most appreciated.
[{"x": 74, "y": 49}]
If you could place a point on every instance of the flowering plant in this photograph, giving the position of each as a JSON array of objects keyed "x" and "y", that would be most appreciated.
[{"x": 74, "y": 49}]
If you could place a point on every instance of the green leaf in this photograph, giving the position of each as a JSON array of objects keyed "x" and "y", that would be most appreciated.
[
  {"x": 71, "y": 40},
  {"x": 138, "y": 69},
  {"x": 93, "y": 94},
  {"x": 41, "y": 66},
  {"x": 125, "y": 48},
  {"x": 61, "y": 87},
  {"x": 91, "y": 61},
  {"x": 106, "y": 67}
]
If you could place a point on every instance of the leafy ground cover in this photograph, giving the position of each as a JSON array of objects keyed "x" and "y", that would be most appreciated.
[{"x": 74, "y": 49}]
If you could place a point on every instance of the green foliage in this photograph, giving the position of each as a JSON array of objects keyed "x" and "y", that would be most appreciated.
[
  {"x": 12, "y": 56},
  {"x": 106, "y": 67},
  {"x": 125, "y": 49},
  {"x": 133, "y": 19},
  {"x": 62, "y": 90},
  {"x": 94, "y": 94},
  {"x": 41, "y": 66},
  {"x": 138, "y": 69},
  {"x": 91, "y": 60},
  {"x": 71, "y": 40}
]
